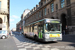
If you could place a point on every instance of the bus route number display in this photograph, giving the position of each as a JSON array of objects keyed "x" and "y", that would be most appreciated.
[{"x": 52, "y": 21}]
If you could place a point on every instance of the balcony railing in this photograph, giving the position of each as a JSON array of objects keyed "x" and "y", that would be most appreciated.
[{"x": 3, "y": 11}]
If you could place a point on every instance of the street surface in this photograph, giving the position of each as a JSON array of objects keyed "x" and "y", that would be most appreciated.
[
  {"x": 8, "y": 44},
  {"x": 19, "y": 42}
]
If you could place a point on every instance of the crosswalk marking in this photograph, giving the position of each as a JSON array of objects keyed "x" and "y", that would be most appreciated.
[
  {"x": 36, "y": 48},
  {"x": 28, "y": 44},
  {"x": 22, "y": 49},
  {"x": 54, "y": 49},
  {"x": 45, "y": 48}
]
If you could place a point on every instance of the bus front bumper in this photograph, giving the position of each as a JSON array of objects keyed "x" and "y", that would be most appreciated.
[{"x": 53, "y": 39}]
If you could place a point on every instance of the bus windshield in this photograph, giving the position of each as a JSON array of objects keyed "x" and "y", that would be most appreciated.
[{"x": 52, "y": 27}]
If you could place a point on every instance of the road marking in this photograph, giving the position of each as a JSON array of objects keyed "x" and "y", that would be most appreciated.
[
  {"x": 30, "y": 44},
  {"x": 45, "y": 49},
  {"x": 39, "y": 45},
  {"x": 54, "y": 49},
  {"x": 47, "y": 46},
  {"x": 36, "y": 48},
  {"x": 28, "y": 47},
  {"x": 22, "y": 49}
]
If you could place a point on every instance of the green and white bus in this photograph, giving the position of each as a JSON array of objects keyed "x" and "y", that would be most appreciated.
[{"x": 45, "y": 30}]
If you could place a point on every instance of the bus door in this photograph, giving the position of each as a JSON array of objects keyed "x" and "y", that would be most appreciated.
[
  {"x": 40, "y": 31},
  {"x": 35, "y": 30}
]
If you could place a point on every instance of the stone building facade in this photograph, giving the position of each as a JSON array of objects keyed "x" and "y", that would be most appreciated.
[
  {"x": 19, "y": 25},
  {"x": 55, "y": 9},
  {"x": 4, "y": 14}
]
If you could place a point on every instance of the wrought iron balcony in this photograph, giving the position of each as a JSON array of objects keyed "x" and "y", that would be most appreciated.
[{"x": 3, "y": 11}]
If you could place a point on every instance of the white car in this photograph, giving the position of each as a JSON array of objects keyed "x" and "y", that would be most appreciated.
[{"x": 3, "y": 34}]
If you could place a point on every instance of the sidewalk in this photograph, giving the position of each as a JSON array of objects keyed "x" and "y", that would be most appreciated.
[
  {"x": 69, "y": 35},
  {"x": 69, "y": 38}
]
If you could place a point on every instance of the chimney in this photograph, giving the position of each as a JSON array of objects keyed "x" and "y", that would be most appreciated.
[
  {"x": 37, "y": 6},
  {"x": 39, "y": 3},
  {"x": 34, "y": 8}
]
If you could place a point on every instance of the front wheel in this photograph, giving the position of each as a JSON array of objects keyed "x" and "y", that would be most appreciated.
[
  {"x": 3, "y": 37},
  {"x": 25, "y": 35}
]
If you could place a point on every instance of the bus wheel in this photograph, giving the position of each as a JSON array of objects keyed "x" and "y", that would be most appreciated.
[
  {"x": 25, "y": 35},
  {"x": 35, "y": 37}
]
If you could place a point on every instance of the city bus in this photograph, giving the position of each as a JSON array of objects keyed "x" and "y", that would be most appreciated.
[{"x": 45, "y": 30}]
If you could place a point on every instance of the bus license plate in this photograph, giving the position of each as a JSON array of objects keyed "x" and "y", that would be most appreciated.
[{"x": 54, "y": 35}]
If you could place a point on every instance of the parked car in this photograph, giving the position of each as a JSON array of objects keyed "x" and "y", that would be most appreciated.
[{"x": 3, "y": 34}]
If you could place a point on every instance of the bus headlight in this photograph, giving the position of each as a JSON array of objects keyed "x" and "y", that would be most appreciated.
[
  {"x": 60, "y": 35},
  {"x": 47, "y": 36}
]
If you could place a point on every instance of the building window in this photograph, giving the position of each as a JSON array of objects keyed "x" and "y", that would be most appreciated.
[
  {"x": 36, "y": 16},
  {"x": 0, "y": 4},
  {"x": 45, "y": 11},
  {"x": 52, "y": 7},
  {"x": 40, "y": 14},
  {"x": 48, "y": 11},
  {"x": 41, "y": 3},
  {"x": 45, "y": 2},
  {"x": 62, "y": 3},
  {"x": 68, "y": 2},
  {"x": 56, "y": 6}
]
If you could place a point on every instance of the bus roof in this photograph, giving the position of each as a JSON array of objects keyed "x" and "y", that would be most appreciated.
[{"x": 42, "y": 20}]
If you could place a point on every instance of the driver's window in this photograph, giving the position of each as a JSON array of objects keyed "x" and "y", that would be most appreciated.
[{"x": 48, "y": 27}]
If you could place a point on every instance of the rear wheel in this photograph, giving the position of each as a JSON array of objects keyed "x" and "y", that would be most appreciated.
[
  {"x": 3, "y": 37},
  {"x": 25, "y": 35},
  {"x": 35, "y": 37}
]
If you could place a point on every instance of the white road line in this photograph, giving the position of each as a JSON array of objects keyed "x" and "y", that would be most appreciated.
[
  {"x": 22, "y": 49},
  {"x": 36, "y": 48},
  {"x": 54, "y": 49},
  {"x": 45, "y": 48}
]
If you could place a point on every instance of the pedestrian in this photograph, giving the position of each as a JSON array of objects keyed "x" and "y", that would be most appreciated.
[{"x": 11, "y": 32}]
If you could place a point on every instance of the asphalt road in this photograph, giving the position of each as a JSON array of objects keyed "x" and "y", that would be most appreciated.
[
  {"x": 8, "y": 44},
  {"x": 68, "y": 43},
  {"x": 19, "y": 42}
]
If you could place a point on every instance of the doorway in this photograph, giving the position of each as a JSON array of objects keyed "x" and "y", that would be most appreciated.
[{"x": 63, "y": 21}]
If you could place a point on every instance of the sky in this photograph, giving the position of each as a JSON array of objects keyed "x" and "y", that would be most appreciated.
[{"x": 17, "y": 8}]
